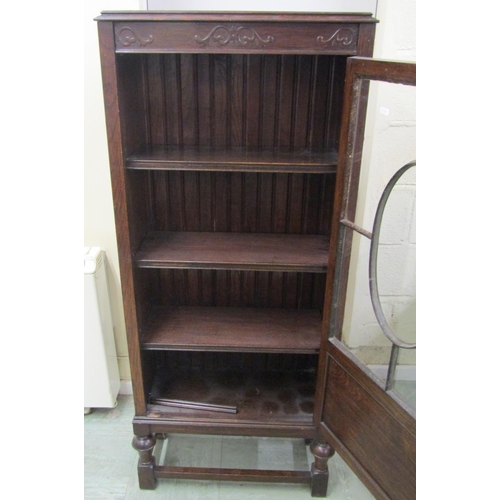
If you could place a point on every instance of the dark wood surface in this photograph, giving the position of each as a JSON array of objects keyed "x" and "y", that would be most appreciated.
[
  {"x": 235, "y": 288},
  {"x": 355, "y": 405},
  {"x": 242, "y": 100},
  {"x": 112, "y": 86},
  {"x": 266, "y": 428},
  {"x": 259, "y": 396},
  {"x": 383, "y": 70},
  {"x": 228, "y": 84},
  {"x": 220, "y": 474},
  {"x": 335, "y": 278},
  {"x": 233, "y": 329},
  {"x": 245, "y": 251},
  {"x": 360, "y": 71},
  {"x": 233, "y": 37},
  {"x": 240, "y": 202},
  {"x": 241, "y": 159}
]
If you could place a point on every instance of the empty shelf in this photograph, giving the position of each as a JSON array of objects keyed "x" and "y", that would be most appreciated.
[
  {"x": 236, "y": 251},
  {"x": 246, "y": 159},
  {"x": 233, "y": 329}
]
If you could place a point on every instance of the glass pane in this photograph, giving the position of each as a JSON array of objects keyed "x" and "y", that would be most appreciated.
[
  {"x": 389, "y": 144},
  {"x": 397, "y": 279}
]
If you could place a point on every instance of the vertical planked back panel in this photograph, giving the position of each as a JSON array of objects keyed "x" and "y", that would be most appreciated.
[
  {"x": 243, "y": 100},
  {"x": 208, "y": 288},
  {"x": 252, "y": 100},
  {"x": 243, "y": 202}
]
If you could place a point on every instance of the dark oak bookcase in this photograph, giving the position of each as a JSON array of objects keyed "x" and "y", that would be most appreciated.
[{"x": 223, "y": 132}]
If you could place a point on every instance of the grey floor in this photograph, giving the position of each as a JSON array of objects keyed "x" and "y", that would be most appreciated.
[
  {"x": 407, "y": 389},
  {"x": 110, "y": 463}
]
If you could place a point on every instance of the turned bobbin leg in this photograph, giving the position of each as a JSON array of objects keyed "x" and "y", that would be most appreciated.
[
  {"x": 322, "y": 451},
  {"x": 144, "y": 445}
]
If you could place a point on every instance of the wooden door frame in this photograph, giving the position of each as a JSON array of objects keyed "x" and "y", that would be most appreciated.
[{"x": 345, "y": 387}]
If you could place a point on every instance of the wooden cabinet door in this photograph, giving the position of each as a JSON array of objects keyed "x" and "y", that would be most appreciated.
[{"x": 362, "y": 417}]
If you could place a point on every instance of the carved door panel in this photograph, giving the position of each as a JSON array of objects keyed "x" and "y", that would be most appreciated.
[{"x": 364, "y": 414}]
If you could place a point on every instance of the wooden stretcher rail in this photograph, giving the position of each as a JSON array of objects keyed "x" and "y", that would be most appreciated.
[{"x": 232, "y": 474}]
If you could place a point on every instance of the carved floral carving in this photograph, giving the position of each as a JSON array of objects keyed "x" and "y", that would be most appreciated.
[
  {"x": 343, "y": 36},
  {"x": 239, "y": 35},
  {"x": 127, "y": 36}
]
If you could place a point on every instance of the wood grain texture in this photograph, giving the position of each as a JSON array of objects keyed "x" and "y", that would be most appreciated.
[
  {"x": 243, "y": 251},
  {"x": 245, "y": 203},
  {"x": 218, "y": 107},
  {"x": 253, "y": 101},
  {"x": 351, "y": 137},
  {"x": 233, "y": 329},
  {"x": 381, "y": 70},
  {"x": 236, "y": 37},
  {"x": 222, "y": 474},
  {"x": 355, "y": 405},
  {"x": 221, "y": 288},
  {"x": 121, "y": 205},
  {"x": 261, "y": 382},
  {"x": 360, "y": 71},
  {"x": 350, "y": 403},
  {"x": 259, "y": 396},
  {"x": 291, "y": 428},
  {"x": 243, "y": 159}
]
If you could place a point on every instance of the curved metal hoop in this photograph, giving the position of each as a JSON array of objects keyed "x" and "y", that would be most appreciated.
[{"x": 373, "y": 280}]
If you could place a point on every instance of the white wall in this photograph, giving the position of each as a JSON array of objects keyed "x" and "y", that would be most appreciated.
[
  {"x": 99, "y": 222},
  {"x": 395, "y": 39},
  {"x": 265, "y": 5},
  {"x": 390, "y": 142}
]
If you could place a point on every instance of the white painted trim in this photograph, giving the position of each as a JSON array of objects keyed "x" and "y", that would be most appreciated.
[
  {"x": 403, "y": 372},
  {"x": 126, "y": 387}
]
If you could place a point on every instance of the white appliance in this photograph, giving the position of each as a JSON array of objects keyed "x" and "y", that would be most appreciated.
[{"x": 102, "y": 379}]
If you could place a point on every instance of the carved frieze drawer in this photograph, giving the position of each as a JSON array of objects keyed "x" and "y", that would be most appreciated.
[{"x": 229, "y": 37}]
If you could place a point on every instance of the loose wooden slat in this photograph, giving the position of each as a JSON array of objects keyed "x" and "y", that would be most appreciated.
[
  {"x": 243, "y": 251},
  {"x": 233, "y": 329},
  {"x": 192, "y": 405}
]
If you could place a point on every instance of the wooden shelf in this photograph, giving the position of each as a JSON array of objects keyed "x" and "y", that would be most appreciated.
[
  {"x": 234, "y": 251},
  {"x": 237, "y": 159},
  {"x": 286, "y": 396},
  {"x": 233, "y": 329}
]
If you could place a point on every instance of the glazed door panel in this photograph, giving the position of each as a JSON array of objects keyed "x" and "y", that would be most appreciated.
[{"x": 364, "y": 414}]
